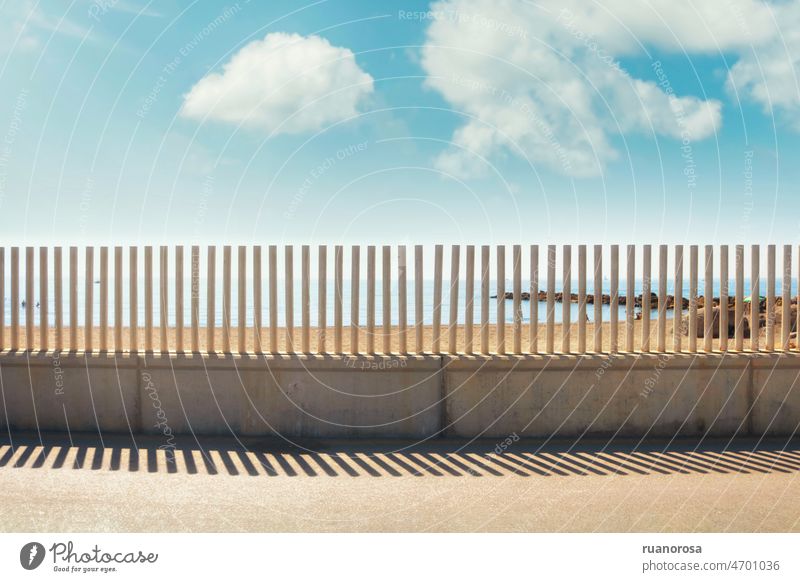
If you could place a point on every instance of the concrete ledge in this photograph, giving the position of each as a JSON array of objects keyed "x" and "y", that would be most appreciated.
[
  {"x": 67, "y": 392},
  {"x": 659, "y": 395},
  {"x": 541, "y": 396},
  {"x": 301, "y": 396}
]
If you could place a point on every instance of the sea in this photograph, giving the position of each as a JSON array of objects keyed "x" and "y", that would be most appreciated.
[{"x": 427, "y": 303}]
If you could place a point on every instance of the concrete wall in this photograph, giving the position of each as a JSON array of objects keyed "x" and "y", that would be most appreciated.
[
  {"x": 293, "y": 395},
  {"x": 413, "y": 397},
  {"x": 597, "y": 395}
]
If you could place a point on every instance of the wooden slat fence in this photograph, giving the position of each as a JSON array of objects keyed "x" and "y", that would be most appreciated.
[{"x": 483, "y": 300}]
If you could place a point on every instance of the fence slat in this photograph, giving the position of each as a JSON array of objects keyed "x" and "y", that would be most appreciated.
[
  {"x": 355, "y": 284},
  {"x": 662, "y": 298},
  {"x": 469, "y": 300},
  {"x": 402, "y": 298},
  {"x": 322, "y": 299},
  {"x": 677, "y": 322},
  {"x": 305, "y": 297},
  {"x": 386, "y": 279},
  {"x": 118, "y": 319},
  {"x": 755, "y": 297},
  {"x": 533, "y": 315},
  {"x": 211, "y": 283},
  {"x": 770, "y": 343},
  {"x": 148, "y": 299},
  {"x": 693, "y": 258},
  {"x": 15, "y": 305},
  {"x": 418, "y": 299},
  {"x": 58, "y": 290},
  {"x": 739, "y": 305},
  {"x": 437, "y": 298},
  {"x": 258, "y": 345},
  {"x": 338, "y": 284},
  {"x": 29, "y": 279},
  {"x": 630, "y": 296},
  {"x": 786, "y": 297},
  {"x": 485, "y": 266},
  {"x": 163, "y": 298},
  {"x": 797, "y": 322},
  {"x": 516, "y": 254},
  {"x": 88, "y": 329},
  {"x": 647, "y": 290},
  {"x": 370, "y": 299},
  {"x": 598, "y": 298},
  {"x": 613, "y": 326},
  {"x": 179, "y": 298},
  {"x": 103, "y": 299},
  {"x": 452, "y": 344},
  {"x": 581, "y": 299},
  {"x": 44, "y": 323},
  {"x": 133, "y": 300},
  {"x": 566, "y": 299},
  {"x": 273, "y": 299},
  {"x": 723, "y": 298},
  {"x": 501, "y": 299},
  {"x": 73, "y": 296},
  {"x": 289, "y": 296},
  {"x": 550, "y": 332},
  {"x": 241, "y": 300},
  {"x": 195, "y": 300},
  {"x": 226, "y": 299},
  {"x": 708, "y": 301}
]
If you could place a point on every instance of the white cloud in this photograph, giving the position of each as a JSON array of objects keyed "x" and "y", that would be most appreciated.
[
  {"x": 286, "y": 83},
  {"x": 761, "y": 38},
  {"x": 767, "y": 73},
  {"x": 25, "y": 27},
  {"x": 540, "y": 82},
  {"x": 694, "y": 26}
]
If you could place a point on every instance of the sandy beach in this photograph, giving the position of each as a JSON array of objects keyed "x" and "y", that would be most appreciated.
[{"x": 366, "y": 342}]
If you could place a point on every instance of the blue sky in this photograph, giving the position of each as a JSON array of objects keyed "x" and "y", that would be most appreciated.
[{"x": 464, "y": 121}]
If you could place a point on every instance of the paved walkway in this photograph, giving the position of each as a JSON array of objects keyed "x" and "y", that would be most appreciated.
[{"x": 269, "y": 485}]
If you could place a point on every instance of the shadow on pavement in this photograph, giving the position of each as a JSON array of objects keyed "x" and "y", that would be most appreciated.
[{"x": 391, "y": 458}]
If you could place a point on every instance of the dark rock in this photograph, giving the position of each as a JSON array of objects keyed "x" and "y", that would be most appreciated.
[{"x": 715, "y": 323}]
